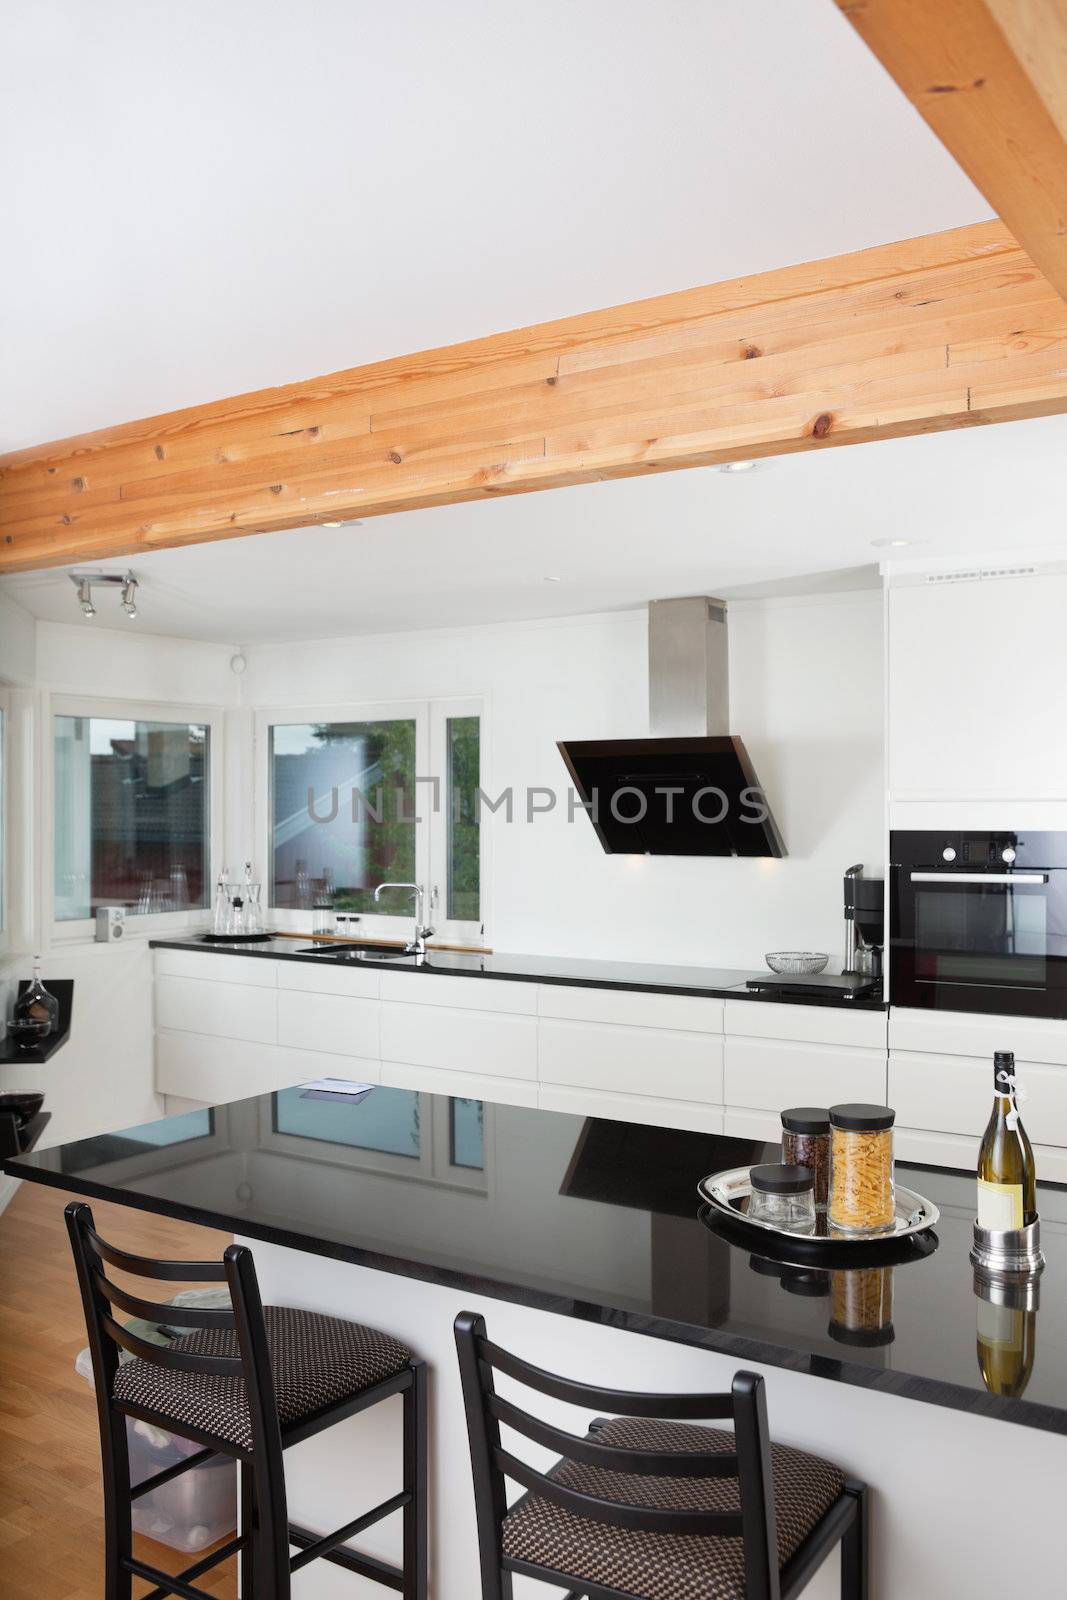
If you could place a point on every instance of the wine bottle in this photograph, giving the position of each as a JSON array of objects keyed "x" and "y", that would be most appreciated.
[
  {"x": 1006, "y": 1174},
  {"x": 36, "y": 1004},
  {"x": 1007, "y": 1340}
]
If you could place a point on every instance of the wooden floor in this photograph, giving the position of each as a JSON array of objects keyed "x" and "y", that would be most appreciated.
[{"x": 51, "y": 1541}]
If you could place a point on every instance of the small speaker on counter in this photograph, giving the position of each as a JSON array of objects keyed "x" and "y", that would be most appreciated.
[{"x": 110, "y": 923}]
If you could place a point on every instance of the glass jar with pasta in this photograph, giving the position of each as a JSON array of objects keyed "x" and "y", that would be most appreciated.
[{"x": 861, "y": 1168}]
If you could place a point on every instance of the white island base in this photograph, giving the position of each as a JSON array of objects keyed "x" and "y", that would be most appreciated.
[{"x": 963, "y": 1507}]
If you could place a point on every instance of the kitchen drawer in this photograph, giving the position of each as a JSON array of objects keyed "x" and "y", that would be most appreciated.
[
  {"x": 769, "y": 1019},
  {"x": 958, "y": 1150},
  {"x": 675, "y": 1065},
  {"x": 468, "y": 1085},
  {"x": 770, "y": 1074},
  {"x": 962, "y": 1033},
  {"x": 645, "y": 1109},
  {"x": 954, "y": 1094},
  {"x": 222, "y": 1010},
  {"x": 738, "y": 1123},
  {"x": 326, "y": 978},
  {"x": 468, "y": 994},
  {"x": 460, "y": 1041},
  {"x": 631, "y": 1008},
  {"x": 341, "y": 1024},
  {"x": 216, "y": 1070},
  {"x": 214, "y": 966}
]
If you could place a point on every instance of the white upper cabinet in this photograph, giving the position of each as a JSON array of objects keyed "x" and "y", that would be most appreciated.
[{"x": 978, "y": 688}]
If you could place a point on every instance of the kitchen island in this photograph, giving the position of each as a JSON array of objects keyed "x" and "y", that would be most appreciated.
[{"x": 585, "y": 1244}]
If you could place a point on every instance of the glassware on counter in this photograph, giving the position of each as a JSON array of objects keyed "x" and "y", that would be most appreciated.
[
  {"x": 783, "y": 1196},
  {"x": 322, "y": 920},
  {"x": 221, "y": 917},
  {"x": 861, "y": 1168},
  {"x": 36, "y": 1010},
  {"x": 806, "y": 1143}
]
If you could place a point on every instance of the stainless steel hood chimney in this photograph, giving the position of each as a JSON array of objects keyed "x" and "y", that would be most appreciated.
[{"x": 690, "y": 789}]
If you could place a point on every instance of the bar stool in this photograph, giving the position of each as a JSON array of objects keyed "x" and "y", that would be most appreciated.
[
  {"x": 643, "y": 1508},
  {"x": 249, "y": 1382}
]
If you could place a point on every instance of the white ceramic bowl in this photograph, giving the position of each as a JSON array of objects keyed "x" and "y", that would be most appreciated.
[{"x": 793, "y": 963}]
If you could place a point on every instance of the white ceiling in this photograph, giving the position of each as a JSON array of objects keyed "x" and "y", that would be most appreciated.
[
  {"x": 208, "y": 198},
  {"x": 610, "y": 544}
]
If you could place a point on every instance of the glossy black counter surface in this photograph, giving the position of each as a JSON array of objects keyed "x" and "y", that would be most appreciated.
[
  {"x": 719, "y": 983},
  {"x": 591, "y": 1219}
]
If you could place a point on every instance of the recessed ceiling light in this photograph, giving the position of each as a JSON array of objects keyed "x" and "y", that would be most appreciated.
[
  {"x": 552, "y": 577},
  {"x": 892, "y": 544},
  {"x": 736, "y": 466},
  {"x": 331, "y": 524},
  {"x": 350, "y": 522}
]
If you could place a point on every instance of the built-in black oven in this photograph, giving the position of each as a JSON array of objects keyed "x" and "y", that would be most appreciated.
[{"x": 978, "y": 922}]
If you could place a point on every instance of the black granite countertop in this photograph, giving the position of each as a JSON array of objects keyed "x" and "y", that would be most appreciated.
[
  {"x": 598, "y": 1220},
  {"x": 708, "y": 982}
]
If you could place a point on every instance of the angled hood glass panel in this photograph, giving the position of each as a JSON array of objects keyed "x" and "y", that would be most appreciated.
[{"x": 673, "y": 797}]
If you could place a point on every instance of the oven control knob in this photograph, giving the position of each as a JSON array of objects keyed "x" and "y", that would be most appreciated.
[
  {"x": 1008, "y": 855},
  {"x": 948, "y": 854}
]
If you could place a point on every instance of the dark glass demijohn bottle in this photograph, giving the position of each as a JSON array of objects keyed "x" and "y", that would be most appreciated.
[
  {"x": 1006, "y": 1173},
  {"x": 35, "y": 1004}
]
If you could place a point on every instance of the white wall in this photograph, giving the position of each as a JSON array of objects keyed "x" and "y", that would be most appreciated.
[
  {"x": 806, "y": 696},
  {"x": 16, "y": 643}
]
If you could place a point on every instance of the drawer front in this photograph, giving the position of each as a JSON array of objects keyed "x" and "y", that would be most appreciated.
[
  {"x": 213, "y": 966},
  {"x": 640, "y": 1061},
  {"x": 467, "y": 994},
  {"x": 956, "y": 1150},
  {"x": 756, "y": 1125},
  {"x": 631, "y": 1008},
  {"x": 469, "y": 1085},
  {"x": 340, "y": 1024},
  {"x": 460, "y": 1041},
  {"x": 307, "y": 978},
  {"x": 221, "y": 1010},
  {"x": 645, "y": 1109},
  {"x": 216, "y": 1070},
  {"x": 961, "y": 1033},
  {"x": 766, "y": 1019},
  {"x": 769, "y": 1074},
  {"x": 954, "y": 1094}
]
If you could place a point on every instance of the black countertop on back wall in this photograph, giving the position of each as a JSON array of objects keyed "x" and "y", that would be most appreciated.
[
  {"x": 586, "y": 1218},
  {"x": 719, "y": 983}
]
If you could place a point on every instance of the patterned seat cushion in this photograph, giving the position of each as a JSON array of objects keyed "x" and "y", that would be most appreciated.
[
  {"x": 317, "y": 1361},
  {"x": 665, "y": 1566}
]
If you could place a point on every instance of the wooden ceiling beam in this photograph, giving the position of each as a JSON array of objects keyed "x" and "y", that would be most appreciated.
[
  {"x": 948, "y": 331},
  {"x": 990, "y": 78}
]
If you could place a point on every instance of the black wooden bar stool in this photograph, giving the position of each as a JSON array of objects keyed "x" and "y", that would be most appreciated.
[
  {"x": 249, "y": 1382},
  {"x": 644, "y": 1508}
]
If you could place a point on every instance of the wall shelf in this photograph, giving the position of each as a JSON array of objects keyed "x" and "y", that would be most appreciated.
[
  {"x": 16, "y": 1141},
  {"x": 12, "y": 1054}
]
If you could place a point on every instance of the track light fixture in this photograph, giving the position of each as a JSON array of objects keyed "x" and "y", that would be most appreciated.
[{"x": 86, "y": 579}]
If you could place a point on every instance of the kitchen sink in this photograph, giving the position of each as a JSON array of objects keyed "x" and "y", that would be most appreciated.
[{"x": 355, "y": 952}]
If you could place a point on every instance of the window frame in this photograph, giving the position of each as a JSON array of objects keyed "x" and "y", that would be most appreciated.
[
  {"x": 431, "y": 829},
  {"x": 89, "y": 706}
]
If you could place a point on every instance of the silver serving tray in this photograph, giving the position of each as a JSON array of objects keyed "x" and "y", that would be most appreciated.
[{"x": 729, "y": 1193}]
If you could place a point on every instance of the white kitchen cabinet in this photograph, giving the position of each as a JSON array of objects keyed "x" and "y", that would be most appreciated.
[
  {"x": 668, "y": 1064},
  {"x": 340, "y": 1024},
  {"x": 220, "y": 1010},
  {"x": 976, "y": 675},
  {"x": 631, "y": 1008},
  {"x": 654, "y": 1110},
  {"x": 469, "y": 1085},
  {"x": 954, "y": 1094},
  {"x": 761, "y": 1019},
  {"x": 213, "y": 966},
  {"x": 770, "y": 1074},
  {"x": 497, "y": 1045},
  {"x": 210, "y": 1070},
  {"x": 967, "y": 1034},
  {"x": 360, "y": 983},
  {"x": 471, "y": 994}
]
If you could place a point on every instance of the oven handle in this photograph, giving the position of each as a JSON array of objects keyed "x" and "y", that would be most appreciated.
[{"x": 979, "y": 877}]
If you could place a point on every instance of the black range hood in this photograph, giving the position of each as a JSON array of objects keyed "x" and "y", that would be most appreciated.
[{"x": 692, "y": 790}]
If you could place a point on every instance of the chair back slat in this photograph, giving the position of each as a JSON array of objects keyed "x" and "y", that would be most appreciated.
[
  {"x": 161, "y": 1355},
  {"x": 649, "y": 1463},
  {"x": 170, "y": 1316},
  {"x": 145, "y": 1267},
  {"x": 618, "y": 1513},
  {"x": 624, "y": 1402}
]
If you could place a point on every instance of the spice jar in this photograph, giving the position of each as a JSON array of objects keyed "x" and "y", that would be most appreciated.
[
  {"x": 783, "y": 1197},
  {"x": 861, "y": 1168},
  {"x": 806, "y": 1143}
]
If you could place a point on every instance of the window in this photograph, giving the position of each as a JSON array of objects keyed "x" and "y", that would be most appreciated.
[
  {"x": 132, "y": 810},
  {"x": 426, "y": 1138},
  {"x": 378, "y": 795}
]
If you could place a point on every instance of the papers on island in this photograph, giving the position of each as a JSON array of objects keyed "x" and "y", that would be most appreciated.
[{"x": 343, "y": 1089}]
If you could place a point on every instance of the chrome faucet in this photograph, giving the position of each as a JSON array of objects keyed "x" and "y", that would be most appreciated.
[{"x": 417, "y": 947}]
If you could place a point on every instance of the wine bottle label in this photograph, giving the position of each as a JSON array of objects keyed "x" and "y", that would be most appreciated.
[{"x": 1000, "y": 1206}]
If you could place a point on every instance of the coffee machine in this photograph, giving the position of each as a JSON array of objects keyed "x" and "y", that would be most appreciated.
[{"x": 864, "y": 923}]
